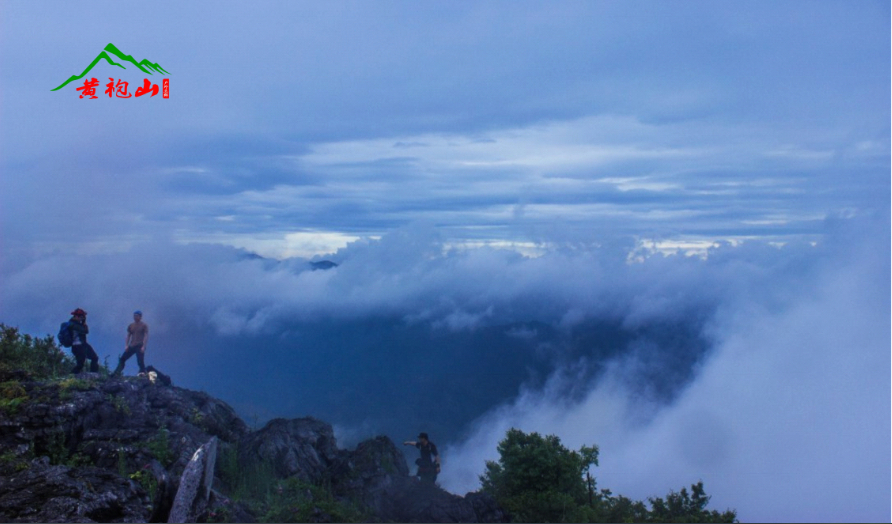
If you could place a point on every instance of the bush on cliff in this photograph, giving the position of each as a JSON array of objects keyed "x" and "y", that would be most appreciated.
[
  {"x": 537, "y": 479},
  {"x": 40, "y": 358},
  {"x": 294, "y": 500}
]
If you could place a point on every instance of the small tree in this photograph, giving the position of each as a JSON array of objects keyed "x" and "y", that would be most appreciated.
[
  {"x": 681, "y": 507},
  {"x": 537, "y": 479}
]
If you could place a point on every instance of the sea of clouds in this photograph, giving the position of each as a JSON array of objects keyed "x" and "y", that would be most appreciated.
[{"x": 758, "y": 368}]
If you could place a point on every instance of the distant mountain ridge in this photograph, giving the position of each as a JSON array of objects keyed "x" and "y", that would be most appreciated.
[{"x": 144, "y": 65}]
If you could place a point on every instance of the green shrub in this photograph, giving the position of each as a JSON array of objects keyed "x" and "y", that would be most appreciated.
[
  {"x": 249, "y": 483},
  {"x": 78, "y": 460},
  {"x": 56, "y": 447},
  {"x": 12, "y": 395},
  {"x": 159, "y": 447},
  {"x": 120, "y": 404},
  {"x": 122, "y": 461},
  {"x": 537, "y": 479},
  {"x": 14, "y": 462},
  {"x": 40, "y": 358},
  {"x": 682, "y": 507},
  {"x": 66, "y": 385},
  {"x": 294, "y": 500},
  {"x": 227, "y": 466},
  {"x": 147, "y": 480},
  {"x": 256, "y": 485},
  {"x": 254, "y": 482}
]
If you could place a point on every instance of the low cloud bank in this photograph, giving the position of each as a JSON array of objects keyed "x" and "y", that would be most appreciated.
[
  {"x": 761, "y": 370},
  {"x": 786, "y": 420}
]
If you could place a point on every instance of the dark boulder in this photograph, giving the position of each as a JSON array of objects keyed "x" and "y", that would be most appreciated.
[
  {"x": 486, "y": 508},
  {"x": 41, "y": 492},
  {"x": 376, "y": 475},
  {"x": 424, "y": 502},
  {"x": 302, "y": 448},
  {"x": 371, "y": 474}
]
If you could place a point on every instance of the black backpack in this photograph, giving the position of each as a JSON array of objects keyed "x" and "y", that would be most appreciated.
[
  {"x": 161, "y": 377},
  {"x": 66, "y": 337}
]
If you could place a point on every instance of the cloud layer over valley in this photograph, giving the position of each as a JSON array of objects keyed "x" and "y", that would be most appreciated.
[{"x": 757, "y": 362}]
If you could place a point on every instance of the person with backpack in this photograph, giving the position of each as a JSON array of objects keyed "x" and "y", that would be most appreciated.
[
  {"x": 77, "y": 331},
  {"x": 135, "y": 344},
  {"x": 427, "y": 469}
]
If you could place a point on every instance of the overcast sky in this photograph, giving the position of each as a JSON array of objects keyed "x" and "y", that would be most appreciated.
[{"x": 511, "y": 187}]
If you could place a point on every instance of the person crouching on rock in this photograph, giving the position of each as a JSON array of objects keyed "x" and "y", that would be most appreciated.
[
  {"x": 135, "y": 344},
  {"x": 427, "y": 469},
  {"x": 82, "y": 351}
]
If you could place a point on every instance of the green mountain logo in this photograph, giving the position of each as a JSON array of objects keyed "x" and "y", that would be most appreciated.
[{"x": 144, "y": 65}]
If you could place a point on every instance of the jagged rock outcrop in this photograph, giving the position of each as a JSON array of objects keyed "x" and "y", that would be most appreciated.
[
  {"x": 96, "y": 449},
  {"x": 303, "y": 448},
  {"x": 374, "y": 475},
  {"x": 423, "y": 502},
  {"x": 139, "y": 435},
  {"x": 371, "y": 472},
  {"x": 115, "y": 423}
]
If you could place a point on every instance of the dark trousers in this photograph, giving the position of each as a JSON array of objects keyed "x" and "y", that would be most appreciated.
[
  {"x": 140, "y": 358},
  {"x": 427, "y": 473},
  {"x": 81, "y": 353}
]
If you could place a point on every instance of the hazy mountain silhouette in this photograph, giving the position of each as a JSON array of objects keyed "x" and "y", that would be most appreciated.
[{"x": 144, "y": 65}]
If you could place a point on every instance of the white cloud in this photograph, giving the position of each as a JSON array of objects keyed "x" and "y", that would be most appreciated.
[
  {"x": 277, "y": 245},
  {"x": 796, "y": 379},
  {"x": 788, "y": 419}
]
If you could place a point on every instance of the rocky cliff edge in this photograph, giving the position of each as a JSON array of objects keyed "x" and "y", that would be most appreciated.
[{"x": 95, "y": 449}]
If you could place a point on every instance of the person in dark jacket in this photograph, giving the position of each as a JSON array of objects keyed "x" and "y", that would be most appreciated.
[
  {"x": 429, "y": 462},
  {"x": 79, "y": 346}
]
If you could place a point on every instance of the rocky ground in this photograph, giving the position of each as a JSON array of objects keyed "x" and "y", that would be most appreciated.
[{"x": 96, "y": 449}]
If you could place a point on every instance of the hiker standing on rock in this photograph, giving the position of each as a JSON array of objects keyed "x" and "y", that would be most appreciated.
[
  {"x": 135, "y": 344},
  {"x": 427, "y": 469},
  {"x": 82, "y": 351}
]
